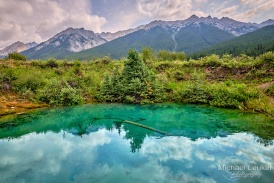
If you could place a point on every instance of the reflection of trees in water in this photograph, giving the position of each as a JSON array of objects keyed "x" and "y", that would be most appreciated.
[
  {"x": 265, "y": 142},
  {"x": 42, "y": 122},
  {"x": 135, "y": 135},
  {"x": 118, "y": 126}
]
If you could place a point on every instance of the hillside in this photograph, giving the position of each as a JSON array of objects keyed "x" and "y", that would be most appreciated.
[
  {"x": 64, "y": 43},
  {"x": 234, "y": 82},
  {"x": 190, "y": 38},
  {"x": 251, "y": 44}
]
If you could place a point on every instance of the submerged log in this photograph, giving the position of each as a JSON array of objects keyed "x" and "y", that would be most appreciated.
[{"x": 147, "y": 127}]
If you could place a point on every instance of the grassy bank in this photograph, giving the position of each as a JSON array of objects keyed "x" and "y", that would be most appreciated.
[{"x": 233, "y": 82}]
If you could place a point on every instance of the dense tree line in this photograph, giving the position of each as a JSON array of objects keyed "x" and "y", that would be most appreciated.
[{"x": 252, "y": 44}]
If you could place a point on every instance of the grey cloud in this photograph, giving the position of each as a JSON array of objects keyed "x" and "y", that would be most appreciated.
[
  {"x": 200, "y": 1},
  {"x": 259, "y": 5},
  {"x": 266, "y": 6},
  {"x": 37, "y": 21},
  {"x": 230, "y": 10},
  {"x": 165, "y": 9}
]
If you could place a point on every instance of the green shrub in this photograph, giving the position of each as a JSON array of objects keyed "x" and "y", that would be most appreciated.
[
  {"x": 8, "y": 75},
  {"x": 261, "y": 104},
  {"x": 233, "y": 96},
  {"x": 32, "y": 82},
  {"x": 163, "y": 65},
  {"x": 179, "y": 56},
  {"x": 178, "y": 75},
  {"x": 213, "y": 60},
  {"x": 60, "y": 94},
  {"x": 77, "y": 68},
  {"x": 30, "y": 95},
  {"x": 16, "y": 56},
  {"x": 227, "y": 94},
  {"x": 67, "y": 64},
  {"x": 195, "y": 91},
  {"x": 104, "y": 60},
  {"x": 147, "y": 54},
  {"x": 164, "y": 55},
  {"x": 268, "y": 57},
  {"x": 35, "y": 63},
  {"x": 270, "y": 90},
  {"x": 77, "y": 64},
  {"x": 52, "y": 63},
  {"x": 59, "y": 71}
]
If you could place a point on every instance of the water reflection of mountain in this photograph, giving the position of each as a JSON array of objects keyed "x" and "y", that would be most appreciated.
[{"x": 189, "y": 121}]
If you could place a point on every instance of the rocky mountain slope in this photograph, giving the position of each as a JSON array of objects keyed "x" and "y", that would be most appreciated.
[
  {"x": 65, "y": 42},
  {"x": 234, "y": 27},
  {"x": 189, "y": 38},
  {"x": 16, "y": 47}
]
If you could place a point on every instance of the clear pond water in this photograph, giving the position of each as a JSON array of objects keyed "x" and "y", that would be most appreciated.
[{"x": 160, "y": 143}]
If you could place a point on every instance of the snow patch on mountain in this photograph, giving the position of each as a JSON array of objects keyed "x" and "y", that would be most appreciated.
[
  {"x": 234, "y": 27},
  {"x": 74, "y": 40}
]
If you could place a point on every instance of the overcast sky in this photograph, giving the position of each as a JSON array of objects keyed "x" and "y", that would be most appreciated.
[{"x": 38, "y": 20}]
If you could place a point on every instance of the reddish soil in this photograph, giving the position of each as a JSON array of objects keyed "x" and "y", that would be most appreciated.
[{"x": 12, "y": 104}]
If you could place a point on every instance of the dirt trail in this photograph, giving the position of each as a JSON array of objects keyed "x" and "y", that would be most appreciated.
[{"x": 265, "y": 85}]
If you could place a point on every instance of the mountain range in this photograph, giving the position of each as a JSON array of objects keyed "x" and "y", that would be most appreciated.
[
  {"x": 189, "y": 35},
  {"x": 191, "y": 38},
  {"x": 17, "y": 47}
]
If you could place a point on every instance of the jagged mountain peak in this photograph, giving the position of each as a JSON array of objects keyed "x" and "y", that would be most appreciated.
[
  {"x": 232, "y": 26},
  {"x": 193, "y": 17},
  {"x": 226, "y": 18},
  {"x": 77, "y": 39},
  {"x": 71, "y": 29},
  {"x": 18, "y": 46},
  {"x": 18, "y": 42},
  {"x": 80, "y": 31},
  {"x": 66, "y": 41},
  {"x": 111, "y": 36},
  {"x": 267, "y": 22}
]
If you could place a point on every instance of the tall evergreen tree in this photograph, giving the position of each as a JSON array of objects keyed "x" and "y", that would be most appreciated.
[{"x": 135, "y": 84}]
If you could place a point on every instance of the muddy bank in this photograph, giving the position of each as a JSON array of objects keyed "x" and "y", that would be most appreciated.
[{"x": 12, "y": 104}]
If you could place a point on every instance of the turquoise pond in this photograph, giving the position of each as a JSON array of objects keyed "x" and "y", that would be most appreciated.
[{"x": 136, "y": 143}]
